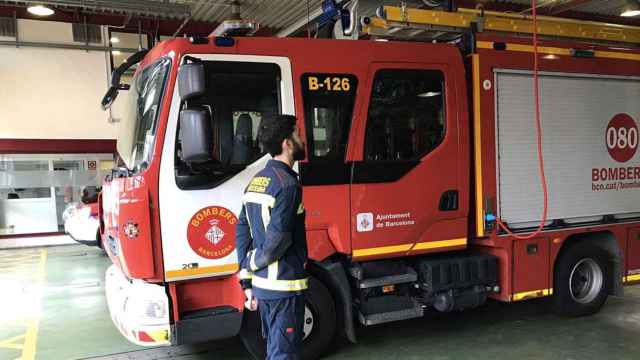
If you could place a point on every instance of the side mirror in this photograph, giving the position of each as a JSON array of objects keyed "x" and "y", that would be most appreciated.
[
  {"x": 196, "y": 135},
  {"x": 112, "y": 92},
  {"x": 191, "y": 80},
  {"x": 109, "y": 98}
]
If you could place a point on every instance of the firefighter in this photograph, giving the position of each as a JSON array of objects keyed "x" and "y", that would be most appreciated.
[{"x": 271, "y": 244}]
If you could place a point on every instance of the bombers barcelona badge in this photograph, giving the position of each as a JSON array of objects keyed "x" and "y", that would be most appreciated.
[{"x": 211, "y": 232}]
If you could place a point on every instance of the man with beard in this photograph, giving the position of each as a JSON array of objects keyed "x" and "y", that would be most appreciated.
[{"x": 271, "y": 243}]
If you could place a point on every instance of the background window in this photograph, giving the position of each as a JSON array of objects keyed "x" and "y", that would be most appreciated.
[
  {"x": 328, "y": 106},
  {"x": 87, "y": 33},
  {"x": 124, "y": 40},
  {"x": 7, "y": 27},
  {"x": 43, "y": 186},
  {"x": 406, "y": 114}
]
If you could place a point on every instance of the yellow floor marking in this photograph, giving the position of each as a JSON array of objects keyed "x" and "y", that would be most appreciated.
[
  {"x": 10, "y": 343},
  {"x": 31, "y": 337}
]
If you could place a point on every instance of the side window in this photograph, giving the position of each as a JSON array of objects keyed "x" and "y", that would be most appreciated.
[
  {"x": 406, "y": 115},
  {"x": 328, "y": 109},
  {"x": 237, "y": 97}
]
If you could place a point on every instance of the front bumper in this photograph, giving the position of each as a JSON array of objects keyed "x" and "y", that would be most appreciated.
[
  {"x": 124, "y": 298},
  {"x": 138, "y": 309}
]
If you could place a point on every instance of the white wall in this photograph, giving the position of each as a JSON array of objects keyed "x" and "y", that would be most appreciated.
[{"x": 52, "y": 93}]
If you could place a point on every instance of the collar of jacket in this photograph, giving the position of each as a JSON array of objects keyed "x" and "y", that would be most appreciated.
[{"x": 281, "y": 165}]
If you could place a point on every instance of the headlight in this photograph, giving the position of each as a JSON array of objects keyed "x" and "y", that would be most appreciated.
[
  {"x": 156, "y": 310},
  {"x": 147, "y": 312}
]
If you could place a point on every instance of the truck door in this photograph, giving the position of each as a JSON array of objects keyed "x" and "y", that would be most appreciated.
[
  {"x": 200, "y": 203},
  {"x": 329, "y": 100},
  {"x": 406, "y": 189}
]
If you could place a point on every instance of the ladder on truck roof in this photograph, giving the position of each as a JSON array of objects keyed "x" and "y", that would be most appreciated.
[{"x": 401, "y": 22}]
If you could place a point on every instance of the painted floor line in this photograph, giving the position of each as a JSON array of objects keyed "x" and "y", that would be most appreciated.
[
  {"x": 31, "y": 337},
  {"x": 11, "y": 343}
]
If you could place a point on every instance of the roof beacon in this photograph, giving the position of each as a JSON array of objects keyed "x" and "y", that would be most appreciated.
[{"x": 235, "y": 25}]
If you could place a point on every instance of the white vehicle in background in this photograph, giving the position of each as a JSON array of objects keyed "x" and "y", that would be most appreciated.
[{"x": 81, "y": 219}]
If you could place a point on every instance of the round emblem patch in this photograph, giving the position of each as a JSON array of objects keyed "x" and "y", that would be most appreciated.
[{"x": 212, "y": 232}]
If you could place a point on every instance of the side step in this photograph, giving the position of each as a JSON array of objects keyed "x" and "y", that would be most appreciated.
[
  {"x": 389, "y": 308},
  {"x": 406, "y": 276}
]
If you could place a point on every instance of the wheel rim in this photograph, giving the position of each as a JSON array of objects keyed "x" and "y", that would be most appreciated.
[
  {"x": 309, "y": 322},
  {"x": 586, "y": 281}
]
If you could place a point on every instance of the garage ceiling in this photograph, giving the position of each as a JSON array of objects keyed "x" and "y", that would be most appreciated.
[{"x": 286, "y": 17}]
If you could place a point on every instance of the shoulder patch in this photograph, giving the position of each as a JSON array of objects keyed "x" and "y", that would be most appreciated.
[{"x": 259, "y": 184}]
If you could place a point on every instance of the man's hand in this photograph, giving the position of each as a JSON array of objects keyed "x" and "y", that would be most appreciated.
[{"x": 251, "y": 304}]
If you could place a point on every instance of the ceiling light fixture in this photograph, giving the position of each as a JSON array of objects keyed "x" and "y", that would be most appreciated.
[
  {"x": 114, "y": 40},
  {"x": 430, "y": 94},
  {"x": 632, "y": 8},
  {"x": 40, "y": 10}
]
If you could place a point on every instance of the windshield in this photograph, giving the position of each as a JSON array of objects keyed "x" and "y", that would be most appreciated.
[{"x": 137, "y": 130}]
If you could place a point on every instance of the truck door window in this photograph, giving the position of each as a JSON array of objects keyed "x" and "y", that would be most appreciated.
[
  {"x": 406, "y": 118},
  {"x": 238, "y": 95},
  {"x": 328, "y": 108}
]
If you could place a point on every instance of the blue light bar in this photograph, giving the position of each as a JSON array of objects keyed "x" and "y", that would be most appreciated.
[
  {"x": 223, "y": 41},
  {"x": 329, "y": 11}
]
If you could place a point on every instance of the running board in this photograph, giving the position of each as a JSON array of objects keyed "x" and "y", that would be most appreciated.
[
  {"x": 407, "y": 277},
  {"x": 397, "y": 308}
]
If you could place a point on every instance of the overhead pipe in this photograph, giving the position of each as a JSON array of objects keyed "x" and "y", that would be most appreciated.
[
  {"x": 64, "y": 46},
  {"x": 125, "y": 23},
  {"x": 196, "y": 11}
]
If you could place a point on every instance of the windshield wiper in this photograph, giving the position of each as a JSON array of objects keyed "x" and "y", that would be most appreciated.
[{"x": 112, "y": 93}]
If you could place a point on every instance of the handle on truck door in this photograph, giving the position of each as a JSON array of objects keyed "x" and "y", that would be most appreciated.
[{"x": 449, "y": 201}]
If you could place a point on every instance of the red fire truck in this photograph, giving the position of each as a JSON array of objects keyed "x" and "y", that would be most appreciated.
[{"x": 417, "y": 152}]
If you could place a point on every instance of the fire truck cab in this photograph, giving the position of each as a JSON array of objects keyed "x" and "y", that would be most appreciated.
[{"x": 412, "y": 153}]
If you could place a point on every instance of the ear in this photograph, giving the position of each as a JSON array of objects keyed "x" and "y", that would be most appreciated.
[{"x": 285, "y": 144}]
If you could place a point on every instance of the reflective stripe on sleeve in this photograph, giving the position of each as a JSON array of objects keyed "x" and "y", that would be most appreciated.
[
  {"x": 272, "y": 271},
  {"x": 257, "y": 198},
  {"x": 280, "y": 285},
  {"x": 252, "y": 260},
  {"x": 245, "y": 274},
  {"x": 266, "y": 216}
]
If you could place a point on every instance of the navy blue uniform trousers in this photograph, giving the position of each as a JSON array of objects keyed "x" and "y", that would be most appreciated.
[{"x": 282, "y": 326}]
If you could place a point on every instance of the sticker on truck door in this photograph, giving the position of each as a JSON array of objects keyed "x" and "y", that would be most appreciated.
[{"x": 211, "y": 232}]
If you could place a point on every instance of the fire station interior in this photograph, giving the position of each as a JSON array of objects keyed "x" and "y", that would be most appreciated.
[{"x": 123, "y": 123}]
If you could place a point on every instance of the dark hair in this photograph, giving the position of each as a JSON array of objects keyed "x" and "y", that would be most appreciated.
[{"x": 273, "y": 130}]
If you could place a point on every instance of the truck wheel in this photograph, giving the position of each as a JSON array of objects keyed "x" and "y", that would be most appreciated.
[
  {"x": 580, "y": 281},
  {"x": 319, "y": 325}
]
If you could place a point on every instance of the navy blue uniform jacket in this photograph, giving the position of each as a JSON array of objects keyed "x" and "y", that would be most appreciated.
[{"x": 270, "y": 235}]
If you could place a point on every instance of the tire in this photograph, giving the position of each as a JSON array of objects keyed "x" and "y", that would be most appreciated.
[
  {"x": 319, "y": 304},
  {"x": 103, "y": 252},
  {"x": 581, "y": 282}
]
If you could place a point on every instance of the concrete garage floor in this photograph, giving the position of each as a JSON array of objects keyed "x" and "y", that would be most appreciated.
[{"x": 52, "y": 306}]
